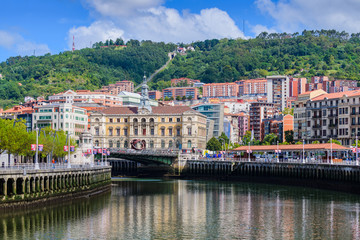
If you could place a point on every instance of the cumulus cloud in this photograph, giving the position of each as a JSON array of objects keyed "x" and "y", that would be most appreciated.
[
  {"x": 296, "y": 15},
  {"x": 149, "y": 20},
  {"x": 96, "y": 32},
  {"x": 15, "y": 42}
]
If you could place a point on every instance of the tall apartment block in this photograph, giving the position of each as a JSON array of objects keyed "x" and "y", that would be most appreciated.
[
  {"x": 278, "y": 91},
  {"x": 118, "y": 87},
  {"x": 258, "y": 112}
]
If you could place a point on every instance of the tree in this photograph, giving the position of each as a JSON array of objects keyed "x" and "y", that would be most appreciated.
[
  {"x": 270, "y": 139},
  {"x": 289, "y": 136},
  {"x": 183, "y": 98},
  {"x": 178, "y": 98},
  {"x": 288, "y": 111},
  {"x": 336, "y": 141},
  {"x": 213, "y": 144},
  {"x": 223, "y": 138},
  {"x": 315, "y": 142}
]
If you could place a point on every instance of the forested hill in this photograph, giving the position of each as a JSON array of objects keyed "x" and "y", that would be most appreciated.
[
  {"x": 88, "y": 68},
  {"x": 311, "y": 53},
  {"x": 325, "y": 52}
]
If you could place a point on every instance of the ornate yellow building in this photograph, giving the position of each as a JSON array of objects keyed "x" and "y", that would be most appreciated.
[{"x": 146, "y": 127}]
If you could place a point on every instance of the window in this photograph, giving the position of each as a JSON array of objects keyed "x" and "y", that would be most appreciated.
[
  {"x": 189, "y": 131},
  {"x": 110, "y": 120},
  {"x": 125, "y": 120},
  {"x": 178, "y": 132},
  {"x": 144, "y": 131},
  {"x": 118, "y": 132},
  {"x": 151, "y": 144},
  {"x": 189, "y": 144},
  {"x": 136, "y": 131},
  {"x": 178, "y": 119},
  {"x": 118, "y": 120},
  {"x": 162, "y": 143},
  {"x": 97, "y": 143},
  {"x": 170, "y": 119},
  {"x": 110, "y": 143},
  {"x": 324, "y": 132},
  {"x": 178, "y": 144},
  {"x": 170, "y": 131},
  {"x": 162, "y": 119},
  {"x": 118, "y": 144},
  {"x": 125, "y": 132},
  {"x": 152, "y": 131},
  {"x": 163, "y": 132},
  {"x": 170, "y": 144},
  {"x": 125, "y": 144},
  {"x": 110, "y": 131}
]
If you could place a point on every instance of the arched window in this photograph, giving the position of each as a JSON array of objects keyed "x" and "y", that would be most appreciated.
[
  {"x": 125, "y": 144},
  {"x": 97, "y": 120},
  {"x": 118, "y": 144},
  {"x": 162, "y": 143},
  {"x": 110, "y": 143},
  {"x": 170, "y": 144},
  {"x": 110, "y": 131},
  {"x": 189, "y": 144},
  {"x": 97, "y": 131},
  {"x": 117, "y": 131},
  {"x": 97, "y": 143}
]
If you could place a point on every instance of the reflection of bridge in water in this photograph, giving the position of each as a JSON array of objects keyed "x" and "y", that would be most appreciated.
[{"x": 145, "y": 157}]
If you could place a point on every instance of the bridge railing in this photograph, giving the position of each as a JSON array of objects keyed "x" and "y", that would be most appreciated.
[{"x": 141, "y": 152}]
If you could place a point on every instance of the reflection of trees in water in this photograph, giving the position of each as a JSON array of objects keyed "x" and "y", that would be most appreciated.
[
  {"x": 49, "y": 222},
  {"x": 157, "y": 209}
]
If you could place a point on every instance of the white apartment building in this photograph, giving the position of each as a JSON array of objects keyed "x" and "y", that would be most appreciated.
[
  {"x": 278, "y": 91},
  {"x": 63, "y": 116},
  {"x": 86, "y": 96}
]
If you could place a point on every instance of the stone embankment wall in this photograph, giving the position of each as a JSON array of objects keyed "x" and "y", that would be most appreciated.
[{"x": 24, "y": 187}]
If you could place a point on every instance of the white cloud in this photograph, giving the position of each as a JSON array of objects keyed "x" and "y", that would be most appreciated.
[
  {"x": 7, "y": 39},
  {"x": 296, "y": 15},
  {"x": 96, "y": 32},
  {"x": 15, "y": 42},
  {"x": 148, "y": 20},
  {"x": 118, "y": 8}
]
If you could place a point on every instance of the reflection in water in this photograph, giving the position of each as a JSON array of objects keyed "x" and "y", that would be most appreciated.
[{"x": 193, "y": 210}]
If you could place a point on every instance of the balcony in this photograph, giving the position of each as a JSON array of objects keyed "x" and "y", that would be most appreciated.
[
  {"x": 333, "y": 125},
  {"x": 333, "y": 115},
  {"x": 317, "y": 116},
  {"x": 317, "y": 126}
]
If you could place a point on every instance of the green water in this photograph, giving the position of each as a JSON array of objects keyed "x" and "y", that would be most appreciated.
[{"x": 177, "y": 209}]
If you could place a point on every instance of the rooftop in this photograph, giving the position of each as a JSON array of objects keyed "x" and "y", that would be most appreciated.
[
  {"x": 293, "y": 147},
  {"x": 337, "y": 95}
]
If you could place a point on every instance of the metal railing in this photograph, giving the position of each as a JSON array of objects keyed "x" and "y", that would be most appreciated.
[{"x": 49, "y": 166}]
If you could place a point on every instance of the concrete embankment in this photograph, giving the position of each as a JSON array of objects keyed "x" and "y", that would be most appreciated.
[{"x": 19, "y": 188}]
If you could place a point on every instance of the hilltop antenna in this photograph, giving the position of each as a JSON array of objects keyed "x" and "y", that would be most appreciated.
[{"x": 73, "y": 45}]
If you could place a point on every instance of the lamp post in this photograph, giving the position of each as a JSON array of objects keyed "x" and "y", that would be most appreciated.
[
  {"x": 356, "y": 154},
  {"x": 331, "y": 159},
  {"x": 102, "y": 149},
  {"x": 303, "y": 160},
  {"x": 37, "y": 150},
  {"x": 249, "y": 152},
  {"x": 68, "y": 162},
  {"x": 277, "y": 153}
]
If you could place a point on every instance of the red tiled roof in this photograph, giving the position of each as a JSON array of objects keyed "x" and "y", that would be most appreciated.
[
  {"x": 293, "y": 147},
  {"x": 337, "y": 95}
]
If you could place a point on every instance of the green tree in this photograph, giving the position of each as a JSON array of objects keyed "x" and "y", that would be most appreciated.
[
  {"x": 336, "y": 141},
  {"x": 213, "y": 144},
  {"x": 289, "y": 136},
  {"x": 270, "y": 139}
]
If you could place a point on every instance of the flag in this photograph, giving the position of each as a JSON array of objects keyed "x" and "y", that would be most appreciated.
[
  {"x": 94, "y": 151},
  {"x": 99, "y": 150},
  {"x": 40, "y": 146},
  {"x": 66, "y": 148},
  {"x": 33, "y": 147},
  {"x": 108, "y": 152},
  {"x": 72, "y": 148},
  {"x": 88, "y": 151},
  {"x": 104, "y": 150}
]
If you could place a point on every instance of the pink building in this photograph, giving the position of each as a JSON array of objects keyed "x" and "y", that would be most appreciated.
[
  {"x": 220, "y": 90},
  {"x": 252, "y": 87}
]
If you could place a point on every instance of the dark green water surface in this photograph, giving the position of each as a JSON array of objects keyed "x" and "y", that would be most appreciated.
[{"x": 178, "y": 209}]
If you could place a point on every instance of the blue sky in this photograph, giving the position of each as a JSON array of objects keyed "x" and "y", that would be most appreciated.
[{"x": 38, "y": 26}]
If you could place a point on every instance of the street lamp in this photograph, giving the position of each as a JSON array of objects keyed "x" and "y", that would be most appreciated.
[
  {"x": 277, "y": 153},
  {"x": 37, "y": 151},
  {"x": 68, "y": 162},
  {"x": 102, "y": 149},
  {"x": 331, "y": 159},
  {"x": 303, "y": 160},
  {"x": 249, "y": 152},
  {"x": 356, "y": 148}
]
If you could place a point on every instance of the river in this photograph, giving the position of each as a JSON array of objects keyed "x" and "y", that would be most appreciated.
[{"x": 179, "y": 209}]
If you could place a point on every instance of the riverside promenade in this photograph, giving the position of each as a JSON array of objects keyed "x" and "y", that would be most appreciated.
[{"x": 22, "y": 184}]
